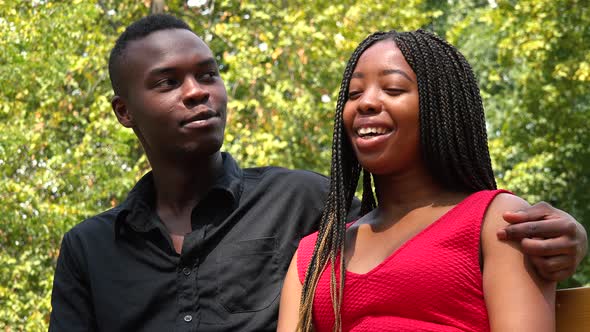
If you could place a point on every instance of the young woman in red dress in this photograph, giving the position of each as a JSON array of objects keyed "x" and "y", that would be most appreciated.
[{"x": 425, "y": 255}]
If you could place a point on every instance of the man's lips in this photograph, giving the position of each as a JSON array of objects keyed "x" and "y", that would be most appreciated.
[{"x": 199, "y": 119}]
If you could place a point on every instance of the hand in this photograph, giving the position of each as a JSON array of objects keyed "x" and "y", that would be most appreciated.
[{"x": 554, "y": 241}]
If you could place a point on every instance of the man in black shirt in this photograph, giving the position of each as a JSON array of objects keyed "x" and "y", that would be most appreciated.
[{"x": 199, "y": 243}]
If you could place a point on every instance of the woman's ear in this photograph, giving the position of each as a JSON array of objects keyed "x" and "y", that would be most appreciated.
[{"x": 120, "y": 108}]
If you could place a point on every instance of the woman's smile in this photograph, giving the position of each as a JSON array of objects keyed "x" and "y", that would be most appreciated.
[{"x": 381, "y": 115}]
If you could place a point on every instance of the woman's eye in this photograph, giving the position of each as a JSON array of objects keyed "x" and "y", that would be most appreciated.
[
  {"x": 394, "y": 92},
  {"x": 352, "y": 95}
]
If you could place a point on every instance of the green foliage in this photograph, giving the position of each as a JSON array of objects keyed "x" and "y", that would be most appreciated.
[
  {"x": 535, "y": 77},
  {"x": 282, "y": 66},
  {"x": 64, "y": 157}
]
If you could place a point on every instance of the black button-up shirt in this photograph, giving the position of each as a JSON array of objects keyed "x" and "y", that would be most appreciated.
[{"x": 118, "y": 271}]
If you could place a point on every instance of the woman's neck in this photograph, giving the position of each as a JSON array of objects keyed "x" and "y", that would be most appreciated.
[{"x": 398, "y": 194}]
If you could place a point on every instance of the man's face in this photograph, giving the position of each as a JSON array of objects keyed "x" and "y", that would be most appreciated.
[{"x": 174, "y": 98}]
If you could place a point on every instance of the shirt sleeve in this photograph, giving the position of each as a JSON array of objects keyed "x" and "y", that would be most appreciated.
[{"x": 71, "y": 297}]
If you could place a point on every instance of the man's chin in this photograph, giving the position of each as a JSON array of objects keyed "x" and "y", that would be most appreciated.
[{"x": 202, "y": 149}]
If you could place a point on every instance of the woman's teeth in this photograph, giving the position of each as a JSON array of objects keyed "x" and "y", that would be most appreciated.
[{"x": 371, "y": 131}]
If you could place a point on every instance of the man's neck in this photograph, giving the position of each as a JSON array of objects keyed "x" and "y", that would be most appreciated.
[{"x": 181, "y": 185}]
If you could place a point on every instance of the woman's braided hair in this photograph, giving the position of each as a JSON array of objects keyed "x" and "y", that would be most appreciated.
[{"x": 453, "y": 143}]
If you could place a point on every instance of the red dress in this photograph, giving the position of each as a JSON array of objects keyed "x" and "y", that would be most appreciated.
[{"x": 431, "y": 283}]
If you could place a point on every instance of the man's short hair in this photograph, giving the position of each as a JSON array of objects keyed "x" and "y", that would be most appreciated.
[{"x": 137, "y": 30}]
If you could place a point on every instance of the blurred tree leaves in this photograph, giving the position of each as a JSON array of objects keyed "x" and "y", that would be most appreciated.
[
  {"x": 282, "y": 63},
  {"x": 534, "y": 66},
  {"x": 63, "y": 156}
]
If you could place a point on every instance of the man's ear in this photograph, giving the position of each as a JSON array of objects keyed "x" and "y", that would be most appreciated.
[{"x": 120, "y": 109}]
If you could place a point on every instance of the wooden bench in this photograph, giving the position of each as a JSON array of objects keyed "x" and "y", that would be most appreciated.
[{"x": 572, "y": 309}]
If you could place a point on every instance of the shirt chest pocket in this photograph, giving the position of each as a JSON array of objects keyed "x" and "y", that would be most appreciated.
[{"x": 247, "y": 275}]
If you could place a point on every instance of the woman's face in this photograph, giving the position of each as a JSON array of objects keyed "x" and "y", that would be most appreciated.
[{"x": 381, "y": 114}]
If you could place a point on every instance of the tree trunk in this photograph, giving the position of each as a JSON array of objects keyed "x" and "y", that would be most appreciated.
[{"x": 157, "y": 6}]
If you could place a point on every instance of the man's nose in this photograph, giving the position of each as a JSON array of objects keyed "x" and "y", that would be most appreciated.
[{"x": 193, "y": 92}]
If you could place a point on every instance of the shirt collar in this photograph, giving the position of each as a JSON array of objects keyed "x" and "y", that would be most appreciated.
[{"x": 138, "y": 210}]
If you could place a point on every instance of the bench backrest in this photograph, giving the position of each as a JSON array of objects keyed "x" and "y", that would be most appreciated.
[{"x": 572, "y": 309}]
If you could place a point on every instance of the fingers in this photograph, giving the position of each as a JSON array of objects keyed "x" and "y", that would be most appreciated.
[
  {"x": 556, "y": 268},
  {"x": 549, "y": 237},
  {"x": 536, "y": 212},
  {"x": 554, "y": 259},
  {"x": 560, "y": 275},
  {"x": 549, "y": 247},
  {"x": 544, "y": 229}
]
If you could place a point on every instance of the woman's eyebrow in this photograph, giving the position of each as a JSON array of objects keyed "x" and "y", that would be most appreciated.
[
  {"x": 384, "y": 73},
  {"x": 396, "y": 71}
]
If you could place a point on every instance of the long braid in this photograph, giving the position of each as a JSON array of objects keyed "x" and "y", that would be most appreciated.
[
  {"x": 429, "y": 135},
  {"x": 345, "y": 171},
  {"x": 452, "y": 146},
  {"x": 435, "y": 91},
  {"x": 453, "y": 142},
  {"x": 459, "y": 97},
  {"x": 452, "y": 127}
]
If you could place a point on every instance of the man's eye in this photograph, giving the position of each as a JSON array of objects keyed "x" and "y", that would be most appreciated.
[
  {"x": 167, "y": 82},
  {"x": 209, "y": 76}
]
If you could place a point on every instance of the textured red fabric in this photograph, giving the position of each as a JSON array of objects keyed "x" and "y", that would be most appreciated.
[{"x": 431, "y": 283}]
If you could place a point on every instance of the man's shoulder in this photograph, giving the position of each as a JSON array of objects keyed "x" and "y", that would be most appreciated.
[
  {"x": 284, "y": 181},
  {"x": 293, "y": 199},
  {"x": 286, "y": 174},
  {"x": 100, "y": 224}
]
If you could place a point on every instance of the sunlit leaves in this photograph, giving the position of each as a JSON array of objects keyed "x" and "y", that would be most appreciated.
[
  {"x": 64, "y": 157},
  {"x": 534, "y": 77}
]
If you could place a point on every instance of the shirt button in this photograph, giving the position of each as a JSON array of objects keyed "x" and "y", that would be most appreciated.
[
  {"x": 186, "y": 271},
  {"x": 188, "y": 318}
]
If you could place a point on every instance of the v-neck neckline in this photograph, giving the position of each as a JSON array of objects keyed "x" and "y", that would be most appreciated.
[{"x": 409, "y": 241}]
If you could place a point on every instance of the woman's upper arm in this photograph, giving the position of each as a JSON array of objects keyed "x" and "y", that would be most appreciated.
[
  {"x": 517, "y": 298},
  {"x": 290, "y": 298}
]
